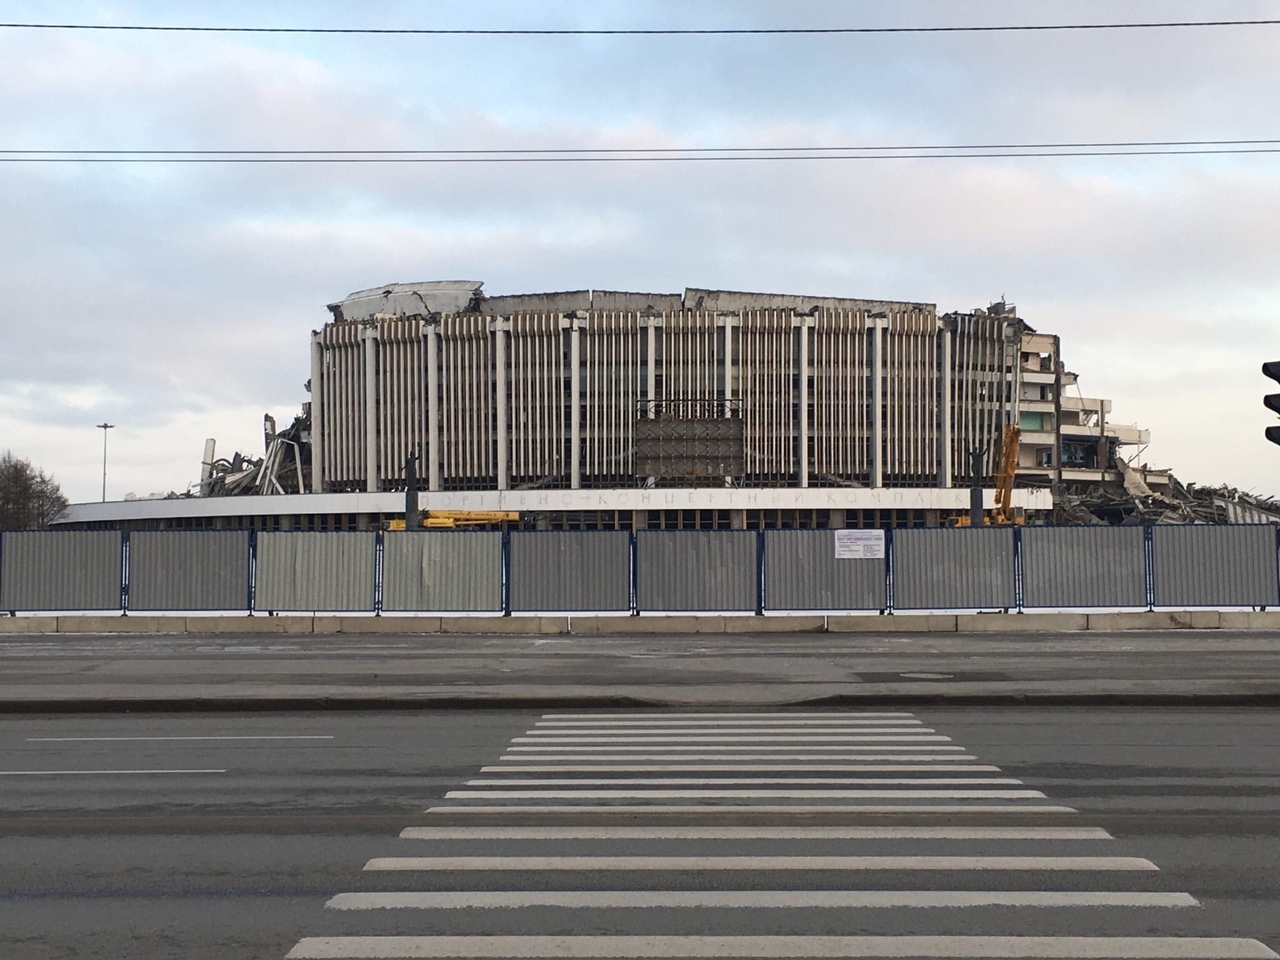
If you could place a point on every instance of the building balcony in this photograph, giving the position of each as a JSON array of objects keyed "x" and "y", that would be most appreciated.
[{"x": 1036, "y": 406}]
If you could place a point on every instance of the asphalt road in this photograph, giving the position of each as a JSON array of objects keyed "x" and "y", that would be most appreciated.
[
  {"x": 266, "y": 835},
  {"x": 96, "y": 672}
]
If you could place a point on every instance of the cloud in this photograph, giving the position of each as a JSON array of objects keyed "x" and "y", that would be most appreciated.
[{"x": 176, "y": 300}]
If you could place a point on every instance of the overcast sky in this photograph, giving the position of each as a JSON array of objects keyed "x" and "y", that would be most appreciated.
[{"x": 176, "y": 300}]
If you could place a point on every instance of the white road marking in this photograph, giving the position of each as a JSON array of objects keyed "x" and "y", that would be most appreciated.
[
  {"x": 851, "y": 750},
  {"x": 749, "y": 767},
  {"x": 734, "y": 794},
  {"x": 722, "y": 809},
  {"x": 736, "y": 739},
  {"x": 854, "y": 753},
  {"x": 784, "y": 948},
  {"x": 712, "y": 715},
  {"x": 71, "y": 740},
  {"x": 723, "y": 781},
  {"x": 754, "y": 833},
  {"x": 723, "y": 731},
  {"x": 752, "y": 899},
  {"x": 1091, "y": 864},
  {"x": 694, "y": 721},
  {"x": 95, "y": 773}
]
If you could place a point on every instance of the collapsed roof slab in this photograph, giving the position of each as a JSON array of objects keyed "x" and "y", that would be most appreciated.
[
  {"x": 409, "y": 299},
  {"x": 733, "y": 301}
]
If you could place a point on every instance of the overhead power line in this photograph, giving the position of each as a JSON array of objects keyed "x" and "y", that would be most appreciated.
[
  {"x": 798, "y": 148},
  {"x": 636, "y": 32},
  {"x": 1117, "y": 148}
]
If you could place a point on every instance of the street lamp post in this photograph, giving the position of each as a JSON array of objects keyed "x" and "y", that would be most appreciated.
[{"x": 104, "y": 427}]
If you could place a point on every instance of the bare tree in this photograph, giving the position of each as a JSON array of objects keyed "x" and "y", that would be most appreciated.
[{"x": 29, "y": 498}]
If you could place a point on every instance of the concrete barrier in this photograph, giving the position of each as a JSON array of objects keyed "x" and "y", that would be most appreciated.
[
  {"x": 28, "y": 624},
  {"x": 403, "y": 625},
  {"x": 522, "y": 626},
  {"x": 598, "y": 626},
  {"x": 114, "y": 623},
  {"x": 1156, "y": 620},
  {"x": 621, "y": 625},
  {"x": 895, "y": 623},
  {"x": 797, "y": 624},
  {"x": 1020, "y": 622},
  {"x": 1249, "y": 620},
  {"x": 250, "y": 624}
]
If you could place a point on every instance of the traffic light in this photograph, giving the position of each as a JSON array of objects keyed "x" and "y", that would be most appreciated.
[{"x": 1272, "y": 400}]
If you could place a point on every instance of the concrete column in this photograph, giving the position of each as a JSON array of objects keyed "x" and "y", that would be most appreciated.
[
  {"x": 1057, "y": 412},
  {"x": 370, "y": 346},
  {"x": 877, "y": 406},
  {"x": 500, "y": 384},
  {"x": 432, "y": 334},
  {"x": 729, "y": 367},
  {"x": 575, "y": 404},
  {"x": 653, "y": 364},
  {"x": 317, "y": 394},
  {"x": 803, "y": 413},
  {"x": 945, "y": 473}
]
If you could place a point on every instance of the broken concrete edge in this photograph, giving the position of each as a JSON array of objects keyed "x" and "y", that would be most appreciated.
[
  {"x": 304, "y": 704},
  {"x": 1030, "y": 622}
]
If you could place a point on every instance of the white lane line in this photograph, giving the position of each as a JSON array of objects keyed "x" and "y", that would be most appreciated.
[
  {"x": 852, "y": 750},
  {"x": 745, "y": 739},
  {"x": 897, "y": 727},
  {"x": 1036, "y": 864},
  {"x": 728, "y": 781},
  {"x": 734, "y": 794},
  {"x": 95, "y": 773},
  {"x": 722, "y": 809},
  {"x": 73, "y": 740},
  {"x": 754, "y": 833},
  {"x": 712, "y": 715},
  {"x": 797, "y": 721},
  {"x": 860, "y": 757},
  {"x": 782, "y": 948},
  {"x": 753, "y": 899},
  {"x": 749, "y": 767}
]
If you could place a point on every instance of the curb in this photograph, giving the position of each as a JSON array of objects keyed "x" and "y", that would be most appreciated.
[
  {"x": 605, "y": 625},
  {"x": 322, "y": 704}
]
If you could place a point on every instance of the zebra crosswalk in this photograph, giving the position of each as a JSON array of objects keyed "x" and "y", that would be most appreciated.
[{"x": 780, "y": 834}]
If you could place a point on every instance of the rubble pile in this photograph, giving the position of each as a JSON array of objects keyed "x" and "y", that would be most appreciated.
[
  {"x": 1128, "y": 503},
  {"x": 285, "y": 467}
]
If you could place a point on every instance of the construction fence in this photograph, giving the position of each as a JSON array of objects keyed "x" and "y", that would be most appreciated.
[{"x": 649, "y": 571}]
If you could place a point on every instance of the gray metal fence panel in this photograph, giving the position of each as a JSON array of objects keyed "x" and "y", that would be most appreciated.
[
  {"x": 1212, "y": 566},
  {"x": 570, "y": 570},
  {"x": 802, "y": 572},
  {"x": 1084, "y": 567},
  {"x": 189, "y": 570},
  {"x": 61, "y": 570},
  {"x": 442, "y": 570},
  {"x": 961, "y": 568},
  {"x": 330, "y": 571},
  {"x": 696, "y": 570}
]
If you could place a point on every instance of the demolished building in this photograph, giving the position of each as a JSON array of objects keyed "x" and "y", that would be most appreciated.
[{"x": 709, "y": 409}]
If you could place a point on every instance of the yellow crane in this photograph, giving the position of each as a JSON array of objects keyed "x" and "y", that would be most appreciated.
[
  {"x": 453, "y": 519},
  {"x": 1003, "y": 515}
]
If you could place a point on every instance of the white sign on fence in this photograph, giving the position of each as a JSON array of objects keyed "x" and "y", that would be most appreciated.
[{"x": 859, "y": 544}]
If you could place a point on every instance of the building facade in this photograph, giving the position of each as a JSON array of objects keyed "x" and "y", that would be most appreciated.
[
  {"x": 709, "y": 409},
  {"x": 600, "y": 390}
]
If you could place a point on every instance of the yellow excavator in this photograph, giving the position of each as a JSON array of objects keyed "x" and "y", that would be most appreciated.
[
  {"x": 454, "y": 519},
  {"x": 1003, "y": 515}
]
